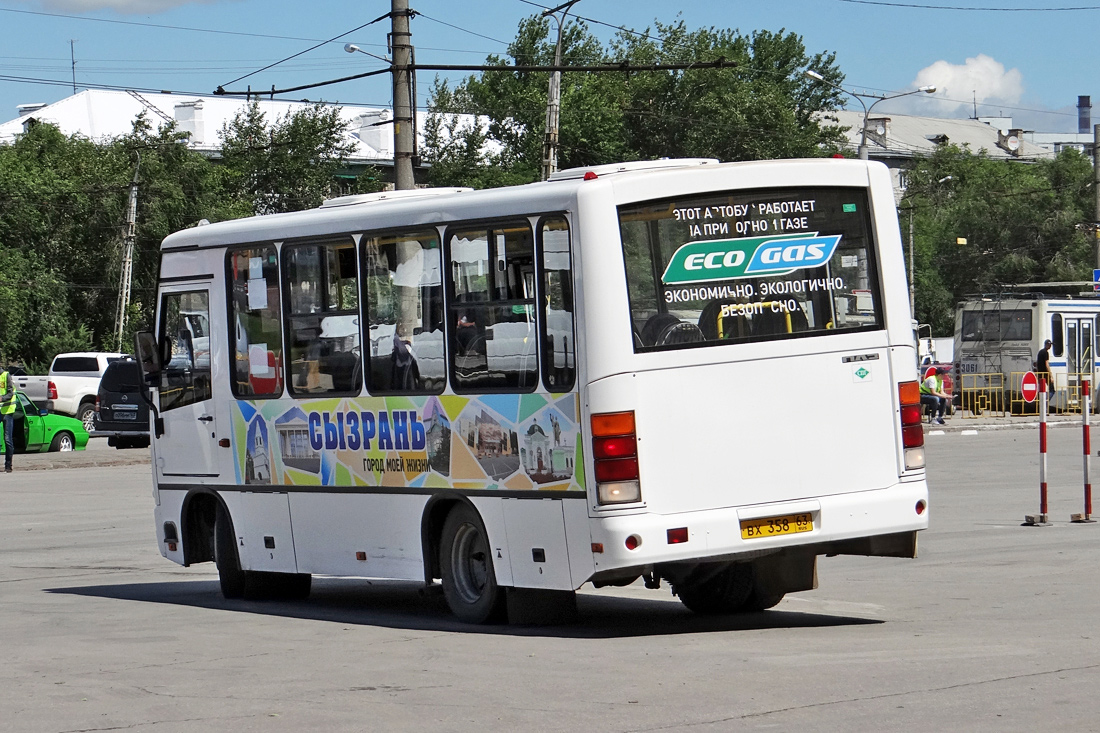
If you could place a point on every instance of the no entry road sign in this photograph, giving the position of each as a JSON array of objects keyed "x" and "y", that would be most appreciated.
[{"x": 1030, "y": 387}]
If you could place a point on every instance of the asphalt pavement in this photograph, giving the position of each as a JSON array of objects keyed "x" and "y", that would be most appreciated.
[{"x": 98, "y": 453}]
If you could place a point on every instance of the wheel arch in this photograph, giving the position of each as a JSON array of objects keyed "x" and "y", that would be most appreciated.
[
  {"x": 431, "y": 528},
  {"x": 197, "y": 514}
]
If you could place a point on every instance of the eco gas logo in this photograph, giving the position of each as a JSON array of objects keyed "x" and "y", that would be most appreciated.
[{"x": 732, "y": 259}]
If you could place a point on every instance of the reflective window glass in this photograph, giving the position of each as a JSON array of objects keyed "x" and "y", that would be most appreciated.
[
  {"x": 322, "y": 289},
  {"x": 255, "y": 320},
  {"x": 403, "y": 276}
]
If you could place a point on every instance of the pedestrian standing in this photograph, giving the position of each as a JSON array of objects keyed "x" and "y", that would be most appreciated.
[
  {"x": 1042, "y": 366},
  {"x": 7, "y": 413}
]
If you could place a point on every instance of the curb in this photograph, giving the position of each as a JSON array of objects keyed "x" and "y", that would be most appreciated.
[
  {"x": 76, "y": 459},
  {"x": 985, "y": 426}
]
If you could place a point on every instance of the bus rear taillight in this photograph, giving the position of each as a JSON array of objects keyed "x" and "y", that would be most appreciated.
[
  {"x": 912, "y": 427},
  {"x": 615, "y": 450}
]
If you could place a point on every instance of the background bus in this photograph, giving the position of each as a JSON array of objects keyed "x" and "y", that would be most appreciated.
[
  {"x": 998, "y": 338},
  {"x": 692, "y": 373}
]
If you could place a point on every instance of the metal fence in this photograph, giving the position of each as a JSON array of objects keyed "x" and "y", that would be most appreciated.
[{"x": 987, "y": 395}]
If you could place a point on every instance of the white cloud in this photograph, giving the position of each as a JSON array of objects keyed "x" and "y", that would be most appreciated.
[
  {"x": 981, "y": 79},
  {"x": 126, "y": 7}
]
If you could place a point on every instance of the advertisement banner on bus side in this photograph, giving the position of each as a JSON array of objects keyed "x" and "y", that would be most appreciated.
[{"x": 493, "y": 442}]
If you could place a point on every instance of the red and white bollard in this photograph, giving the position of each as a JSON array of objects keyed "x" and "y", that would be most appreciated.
[
  {"x": 1086, "y": 443},
  {"x": 1040, "y": 519}
]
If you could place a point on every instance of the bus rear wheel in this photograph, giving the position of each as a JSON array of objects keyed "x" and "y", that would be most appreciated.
[
  {"x": 725, "y": 591},
  {"x": 466, "y": 565}
]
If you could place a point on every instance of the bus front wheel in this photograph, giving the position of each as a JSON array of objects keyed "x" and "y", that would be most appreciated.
[
  {"x": 230, "y": 575},
  {"x": 251, "y": 584},
  {"x": 466, "y": 563}
]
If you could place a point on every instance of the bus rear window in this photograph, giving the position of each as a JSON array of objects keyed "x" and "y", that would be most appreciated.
[
  {"x": 750, "y": 266},
  {"x": 996, "y": 325}
]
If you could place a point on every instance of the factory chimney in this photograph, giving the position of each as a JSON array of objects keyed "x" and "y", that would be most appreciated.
[{"x": 1084, "y": 115}]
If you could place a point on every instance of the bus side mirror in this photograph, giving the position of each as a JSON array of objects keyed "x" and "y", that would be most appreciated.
[{"x": 145, "y": 346}]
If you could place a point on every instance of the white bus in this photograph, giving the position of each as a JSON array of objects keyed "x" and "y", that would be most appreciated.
[
  {"x": 998, "y": 338},
  {"x": 694, "y": 373}
]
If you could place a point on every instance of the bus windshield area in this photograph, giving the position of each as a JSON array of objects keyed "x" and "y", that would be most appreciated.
[
  {"x": 997, "y": 325},
  {"x": 750, "y": 266}
]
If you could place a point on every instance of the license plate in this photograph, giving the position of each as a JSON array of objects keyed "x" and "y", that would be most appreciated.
[
  {"x": 125, "y": 415},
  {"x": 752, "y": 529}
]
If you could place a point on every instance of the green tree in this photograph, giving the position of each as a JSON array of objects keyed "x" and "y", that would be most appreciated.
[
  {"x": 762, "y": 108},
  {"x": 287, "y": 165},
  {"x": 1022, "y": 222}
]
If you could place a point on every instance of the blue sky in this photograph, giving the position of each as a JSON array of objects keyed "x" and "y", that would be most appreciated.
[{"x": 1027, "y": 60}]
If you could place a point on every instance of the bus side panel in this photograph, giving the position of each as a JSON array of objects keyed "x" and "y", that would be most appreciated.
[
  {"x": 168, "y": 510},
  {"x": 329, "y": 529},
  {"x": 536, "y": 535},
  {"x": 264, "y": 538}
]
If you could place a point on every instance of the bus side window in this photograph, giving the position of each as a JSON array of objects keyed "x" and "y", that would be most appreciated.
[
  {"x": 255, "y": 321},
  {"x": 1057, "y": 335},
  {"x": 322, "y": 293},
  {"x": 558, "y": 338},
  {"x": 491, "y": 310},
  {"x": 402, "y": 275},
  {"x": 185, "y": 378}
]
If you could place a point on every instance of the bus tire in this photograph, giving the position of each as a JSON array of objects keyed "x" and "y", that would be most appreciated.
[
  {"x": 230, "y": 575},
  {"x": 726, "y": 591},
  {"x": 760, "y": 601},
  {"x": 466, "y": 566}
]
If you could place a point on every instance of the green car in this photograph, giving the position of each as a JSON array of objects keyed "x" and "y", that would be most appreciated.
[{"x": 38, "y": 431}]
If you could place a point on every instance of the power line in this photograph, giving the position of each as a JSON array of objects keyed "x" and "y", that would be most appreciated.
[
  {"x": 958, "y": 7},
  {"x": 464, "y": 30},
  {"x": 311, "y": 48},
  {"x": 155, "y": 25}
]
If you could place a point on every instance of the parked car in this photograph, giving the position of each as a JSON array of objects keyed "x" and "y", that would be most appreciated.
[
  {"x": 121, "y": 412},
  {"x": 37, "y": 431},
  {"x": 36, "y": 388},
  {"x": 74, "y": 383}
]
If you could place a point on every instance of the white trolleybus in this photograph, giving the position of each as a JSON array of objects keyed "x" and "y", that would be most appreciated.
[
  {"x": 997, "y": 339},
  {"x": 682, "y": 371}
]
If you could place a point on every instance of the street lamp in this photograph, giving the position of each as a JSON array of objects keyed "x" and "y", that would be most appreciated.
[
  {"x": 811, "y": 74},
  {"x": 352, "y": 48}
]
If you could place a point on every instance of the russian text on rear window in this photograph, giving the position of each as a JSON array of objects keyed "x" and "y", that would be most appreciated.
[{"x": 750, "y": 266}]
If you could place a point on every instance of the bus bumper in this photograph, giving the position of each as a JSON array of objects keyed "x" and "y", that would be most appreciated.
[{"x": 842, "y": 524}]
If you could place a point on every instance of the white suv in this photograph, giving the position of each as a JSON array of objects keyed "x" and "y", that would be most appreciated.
[{"x": 74, "y": 384}]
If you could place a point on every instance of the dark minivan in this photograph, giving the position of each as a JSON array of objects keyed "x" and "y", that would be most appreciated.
[{"x": 121, "y": 414}]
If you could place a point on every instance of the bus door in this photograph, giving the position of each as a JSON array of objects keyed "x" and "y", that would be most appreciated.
[
  {"x": 186, "y": 386},
  {"x": 1079, "y": 353}
]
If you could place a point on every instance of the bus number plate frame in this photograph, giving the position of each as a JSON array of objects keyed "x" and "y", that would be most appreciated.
[{"x": 786, "y": 524}]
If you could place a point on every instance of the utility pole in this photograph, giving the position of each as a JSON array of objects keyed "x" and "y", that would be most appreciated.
[
  {"x": 404, "y": 122},
  {"x": 1096, "y": 191},
  {"x": 72, "y": 55},
  {"x": 553, "y": 97},
  {"x": 127, "y": 258},
  {"x": 912, "y": 299}
]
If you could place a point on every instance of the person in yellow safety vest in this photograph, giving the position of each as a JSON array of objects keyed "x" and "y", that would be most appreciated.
[
  {"x": 7, "y": 413},
  {"x": 932, "y": 394}
]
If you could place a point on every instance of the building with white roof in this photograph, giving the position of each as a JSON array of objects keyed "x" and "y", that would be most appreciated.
[{"x": 100, "y": 114}]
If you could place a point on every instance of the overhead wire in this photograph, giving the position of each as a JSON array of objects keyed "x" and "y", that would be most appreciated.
[{"x": 987, "y": 9}]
